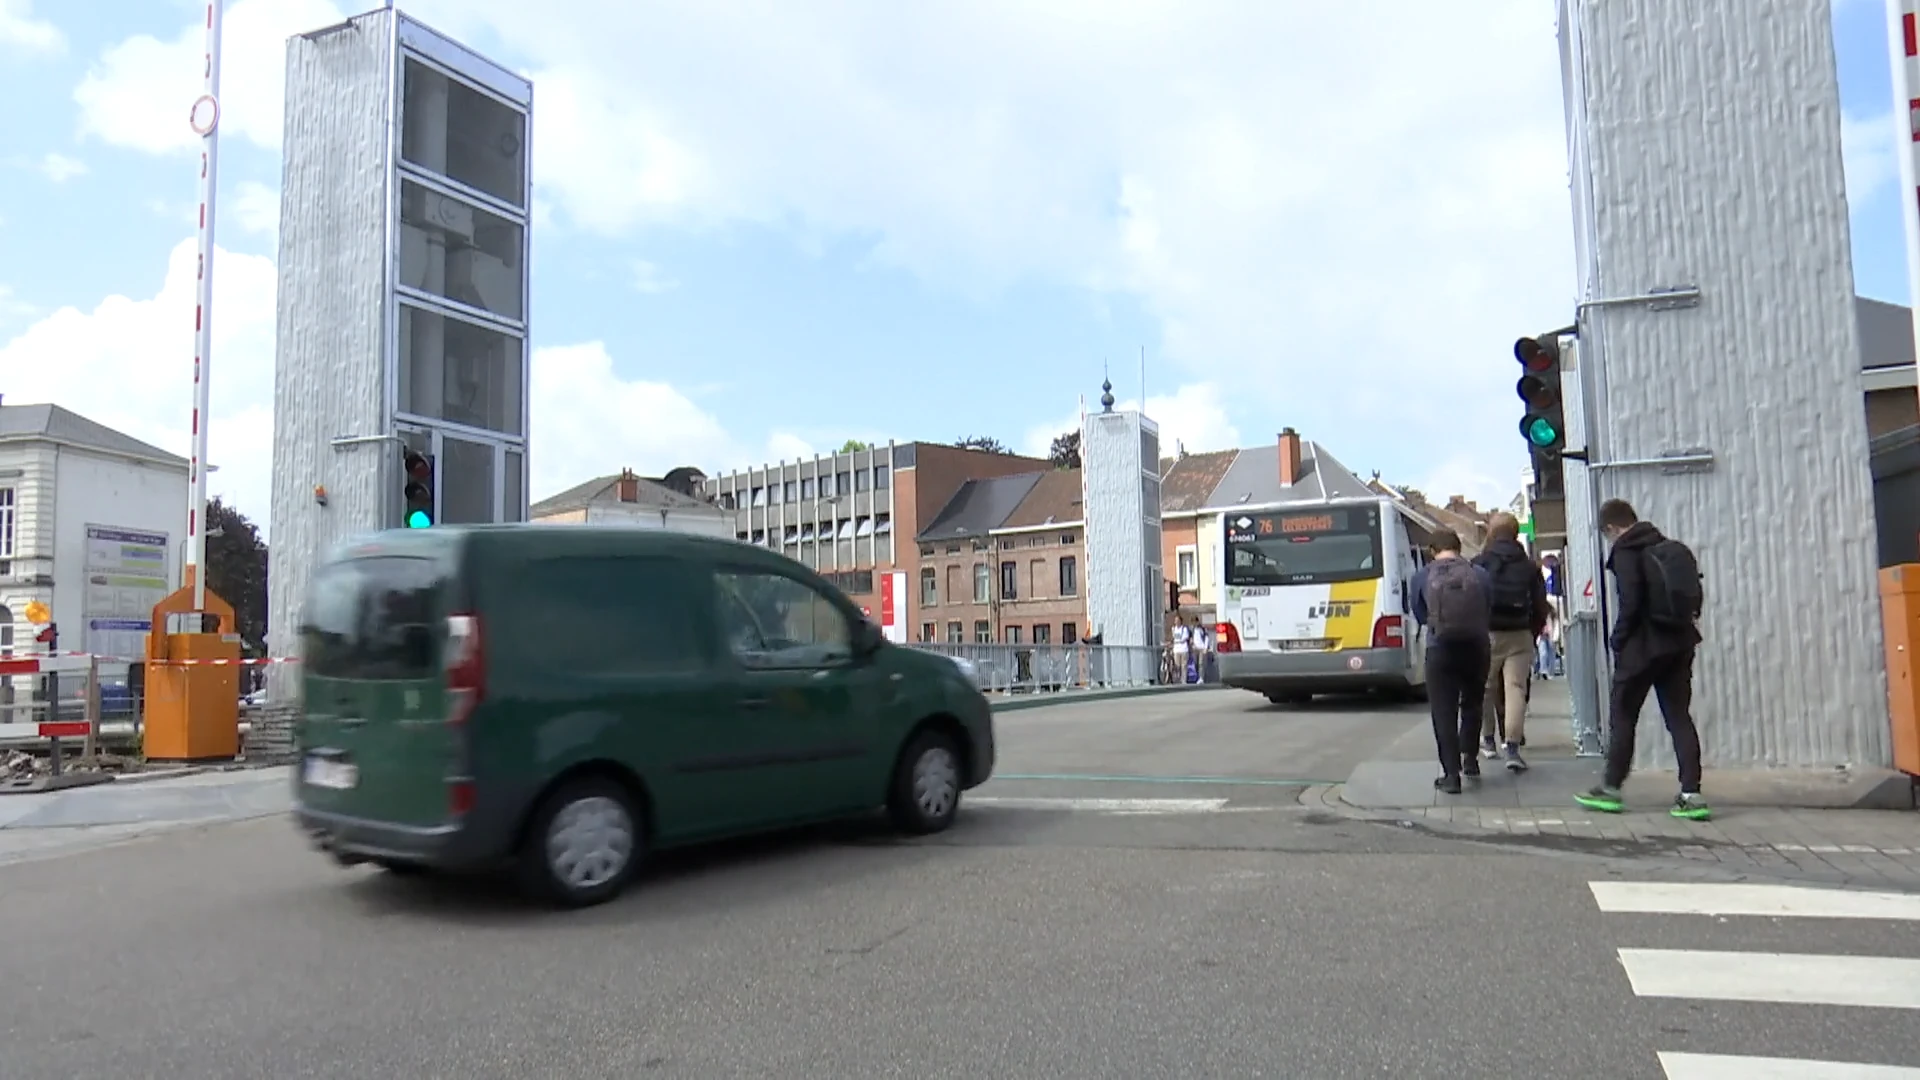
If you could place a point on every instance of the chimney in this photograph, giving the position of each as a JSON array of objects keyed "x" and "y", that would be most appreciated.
[
  {"x": 1289, "y": 457},
  {"x": 627, "y": 488}
]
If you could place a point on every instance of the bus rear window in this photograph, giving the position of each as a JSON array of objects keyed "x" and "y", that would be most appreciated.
[
  {"x": 374, "y": 618},
  {"x": 1302, "y": 548}
]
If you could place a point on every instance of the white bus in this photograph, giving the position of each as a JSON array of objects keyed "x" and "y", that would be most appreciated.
[{"x": 1316, "y": 599}]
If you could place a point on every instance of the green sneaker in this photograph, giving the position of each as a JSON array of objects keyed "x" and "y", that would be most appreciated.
[
  {"x": 1602, "y": 798},
  {"x": 1691, "y": 807}
]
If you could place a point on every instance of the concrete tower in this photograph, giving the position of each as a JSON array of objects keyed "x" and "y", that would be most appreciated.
[{"x": 1120, "y": 466}]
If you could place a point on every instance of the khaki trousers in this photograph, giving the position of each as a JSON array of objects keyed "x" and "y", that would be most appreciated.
[{"x": 1509, "y": 667}]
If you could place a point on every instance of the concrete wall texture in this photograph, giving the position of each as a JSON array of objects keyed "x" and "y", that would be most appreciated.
[
  {"x": 1120, "y": 462},
  {"x": 330, "y": 363},
  {"x": 1705, "y": 143}
]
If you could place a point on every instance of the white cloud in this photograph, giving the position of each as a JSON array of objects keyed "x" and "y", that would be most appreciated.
[
  {"x": 256, "y": 209},
  {"x": 587, "y": 421},
  {"x": 139, "y": 92},
  {"x": 128, "y": 364},
  {"x": 60, "y": 168},
  {"x": 19, "y": 29},
  {"x": 1867, "y": 147},
  {"x": 784, "y": 446},
  {"x": 1193, "y": 415},
  {"x": 650, "y": 278}
]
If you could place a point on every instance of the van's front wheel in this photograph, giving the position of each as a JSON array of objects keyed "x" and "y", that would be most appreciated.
[
  {"x": 925, "y": 793},
  {"x": 584, "y": 846}
]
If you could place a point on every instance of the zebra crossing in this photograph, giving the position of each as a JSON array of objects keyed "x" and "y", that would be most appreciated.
[{"x": 1777, "y": 978}]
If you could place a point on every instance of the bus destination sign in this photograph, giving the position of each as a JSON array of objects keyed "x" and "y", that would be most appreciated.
[{"x": 1252, "y": 527}]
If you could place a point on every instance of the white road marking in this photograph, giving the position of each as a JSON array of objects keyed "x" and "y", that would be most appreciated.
[
  {"x": 1101, "y": 806},
  {"x": 1783, "y": 901},
  {"x": 1780, "y": 978},
  {"x": 1730, "y": 1067}
]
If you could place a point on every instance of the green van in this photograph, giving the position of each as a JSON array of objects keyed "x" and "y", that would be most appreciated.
[{"x": 561, "y": 700}]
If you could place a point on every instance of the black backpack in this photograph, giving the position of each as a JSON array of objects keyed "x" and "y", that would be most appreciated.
[
  {"x": 1456, "y": 605},
  {"x": 1675, "y": 596},
  {"x": 1512, "y": 587}
]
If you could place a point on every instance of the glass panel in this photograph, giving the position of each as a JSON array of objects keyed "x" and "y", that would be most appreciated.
[
  {"x": 514, "y": 489},
  {"x": 452, "y": 248},
  {"x": 451, "y": 369},
  {"x": 774, "y": 621},
  {"x": 373, "y": 618},
  {"x": 466, "y": 482},
  {"x": 464, "y": 135}
]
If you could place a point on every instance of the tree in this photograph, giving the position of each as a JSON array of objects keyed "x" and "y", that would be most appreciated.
[
  {"x": 852, "y": 446},
  {"x": 237, "y": 570},
  {"x": 1065, "y": 453},
  {"x": 986, "y": 443}
]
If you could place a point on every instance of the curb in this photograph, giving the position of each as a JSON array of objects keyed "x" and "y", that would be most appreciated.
[{"x": 1037, "y": 701}]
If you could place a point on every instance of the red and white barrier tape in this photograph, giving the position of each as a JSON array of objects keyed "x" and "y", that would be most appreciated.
[
  {"x": 65, "y": 661},
  {"x": 48, "y": 729}
]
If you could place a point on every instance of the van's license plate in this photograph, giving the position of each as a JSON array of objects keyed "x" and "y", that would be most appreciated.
[{"x": 331, "y": 774}]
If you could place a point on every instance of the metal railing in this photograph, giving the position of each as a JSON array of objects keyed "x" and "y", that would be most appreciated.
[{"x": 1032, "y": 669}]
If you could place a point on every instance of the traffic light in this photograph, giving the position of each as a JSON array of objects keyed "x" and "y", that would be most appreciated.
[
  {"x": 1544, "y": 424},
  {"x": 419, "y": 490}
]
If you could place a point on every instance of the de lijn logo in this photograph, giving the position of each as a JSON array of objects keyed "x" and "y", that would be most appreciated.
[{"x": 1331, "y": 609}]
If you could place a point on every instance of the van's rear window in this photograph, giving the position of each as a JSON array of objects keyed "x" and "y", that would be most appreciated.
[{"x": 374, "y": 618}]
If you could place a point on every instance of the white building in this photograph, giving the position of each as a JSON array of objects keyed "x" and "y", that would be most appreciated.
[
  {"x": 635, "y": 501},
  {"x": 91, "y": 525}
]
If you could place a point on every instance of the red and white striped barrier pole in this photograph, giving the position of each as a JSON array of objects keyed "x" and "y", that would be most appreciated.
[
  {"x": 1903, "y": 41},
  {"x": 205, "y": 119}
]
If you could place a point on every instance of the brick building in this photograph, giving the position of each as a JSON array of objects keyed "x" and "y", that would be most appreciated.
[
  {"x": 841, "y": 514},
  {"x": 1041, "y": 556}
]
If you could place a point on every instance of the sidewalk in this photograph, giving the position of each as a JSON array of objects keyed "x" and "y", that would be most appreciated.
[
  {"x": 1786, "y": 823},
  {"x": 32, "y": 825}
]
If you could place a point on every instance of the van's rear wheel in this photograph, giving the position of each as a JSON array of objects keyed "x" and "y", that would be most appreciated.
[
  {"x": 925, "y": 793},
  {"x": 585, "y": 844}
]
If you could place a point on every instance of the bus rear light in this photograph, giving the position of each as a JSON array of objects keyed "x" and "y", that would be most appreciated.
[
  {"x": 1226, "y": 637},
  {"x": 1389, "y": 632}
]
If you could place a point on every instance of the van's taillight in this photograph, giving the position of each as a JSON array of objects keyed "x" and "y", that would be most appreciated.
[
  {"x": 466, "y": 668},
  {"x": 1389, "y": 632},
  {"x": 1226, "y": 638}
]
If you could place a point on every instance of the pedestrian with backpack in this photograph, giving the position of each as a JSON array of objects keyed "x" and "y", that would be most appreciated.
[
  {"x": 1519, "y": 619},
  {"x": 1654, "y": 636},
  {"x": 1452, "y": 599}
]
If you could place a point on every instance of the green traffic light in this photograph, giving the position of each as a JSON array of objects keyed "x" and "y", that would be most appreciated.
[
  {"x": 418, "y": 519},
  {"x": 1541, "y": 431}
]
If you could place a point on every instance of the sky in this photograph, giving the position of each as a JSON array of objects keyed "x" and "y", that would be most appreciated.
[{"x": 761, "y": 229}]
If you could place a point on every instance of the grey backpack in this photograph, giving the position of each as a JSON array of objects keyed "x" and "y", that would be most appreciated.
[{"x": 1457, "y": 605}]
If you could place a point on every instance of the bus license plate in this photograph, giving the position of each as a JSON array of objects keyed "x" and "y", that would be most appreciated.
[
  {"x": 1304, "y": 644},
  {"x": 337, "y": 775}
]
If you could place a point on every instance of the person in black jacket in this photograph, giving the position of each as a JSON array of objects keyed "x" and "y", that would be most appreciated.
[
  {"x": 1646, "y": 657},
  {"x": 1519, "y": 618}
]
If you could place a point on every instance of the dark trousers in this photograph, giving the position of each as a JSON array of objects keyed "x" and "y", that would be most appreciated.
[
  {"x": 1456, "y": 691},
  {"x": 1671, "y": 680}
]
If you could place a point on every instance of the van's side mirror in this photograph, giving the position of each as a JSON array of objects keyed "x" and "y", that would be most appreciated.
[{"x": 867, "y": 638}]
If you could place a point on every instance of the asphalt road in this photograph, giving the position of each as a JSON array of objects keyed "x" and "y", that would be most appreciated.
[{"x": 1171, "y": 930}]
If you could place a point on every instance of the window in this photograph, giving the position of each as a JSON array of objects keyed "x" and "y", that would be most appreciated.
[
  {"x": 771, "y": 621},
  {"x": 513, "y": 480},
  {"x": 451, "y": 369},
  {"x": 1013, "y": 635},
  {"x": 982, "y": 632},
  {"x": 860, "y": 479},
  {"x": 7, "y": 520},
  {"x": 925, "y": 550},
  {"x": 466, "y": 482},
  {"x": 1341, "y": 544},
  {"x": 982, "y": 583},
  {"x": 926, "y": 631},
  {"x": 453, "y": 249},
  {"x": 1066, "y": 538},
  {"x": 1186, "y": 569},
  {"x": 1036, "y": 579},
  {"x": 806, "y": 487},
  {"x": 788, "y": 490},
  {"x": 1042, "y": 633},
  {"x": 852, "y": 582},
  {"x": 375, "y": 618},
  {"x": 1009, "y": 581},
  {"x": 759, "y": 497},
  {"x": 882, "y": 477},
  {"x": 1069, "y": 576},
  {"x": 1069, "y": 633},
  {"x": 1036, "y": 541},
  {"x": 929, "y": 587},
  {"x": 773, "y": 494},
  {"x": 467, "y": 136},
  {"x": 955, "y": 633},
  {"x": 953, "y": 549},
  {"x": 842, "y": 484},
  {"x": 954, "y": 585},
  {"x": 605, "y": 615}
]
